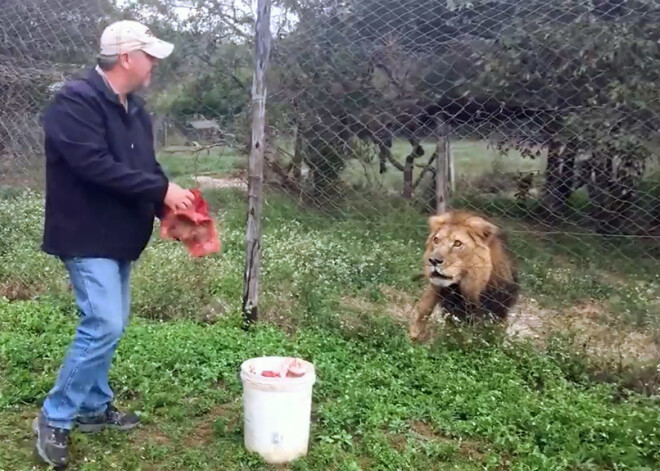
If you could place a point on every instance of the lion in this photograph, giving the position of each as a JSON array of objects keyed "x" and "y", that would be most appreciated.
[{"x": 468, "y": 269}]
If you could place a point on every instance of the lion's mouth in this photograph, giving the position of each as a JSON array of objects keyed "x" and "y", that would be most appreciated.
[{"x": 440, "y": 276}]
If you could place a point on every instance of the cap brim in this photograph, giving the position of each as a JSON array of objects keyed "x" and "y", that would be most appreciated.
[{"x": 159, "y": 49}]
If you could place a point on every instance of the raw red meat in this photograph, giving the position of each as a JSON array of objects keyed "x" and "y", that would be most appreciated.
[
  {"x": 291, "y": 368},
  {"x": 194, "y": 227},
  {"x": 270, "y": 374}
]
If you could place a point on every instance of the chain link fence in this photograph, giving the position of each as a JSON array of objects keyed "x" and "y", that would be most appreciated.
[
  {"x": 539, "y": 102},
  {"x": 41, "y": 44},
  {"x": 541, "y": 114}
]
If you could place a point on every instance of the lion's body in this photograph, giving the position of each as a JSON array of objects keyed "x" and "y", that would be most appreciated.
[
  {"x": 468, "y": 269},
  {"x": 494, "y": 300}
]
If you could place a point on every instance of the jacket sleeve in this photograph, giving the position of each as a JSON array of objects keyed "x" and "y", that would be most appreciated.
[
  {"x": 158, "y": 169},
  {"x": 160, "y": 206},
  {"x": 77, "y": 130}
]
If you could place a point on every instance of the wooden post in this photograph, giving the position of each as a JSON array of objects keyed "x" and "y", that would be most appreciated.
[
  {"x": 441, "y": 172},
  {"x": 452, "y": 168},
  {"x": 256, "y": 166},
  {"x": 297, "y": 152}
]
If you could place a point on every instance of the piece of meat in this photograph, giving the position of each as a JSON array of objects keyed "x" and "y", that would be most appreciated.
[
  {"x": 296, "y": 368},
  {"x": 194, "y": 227},
  {"x": 270, "y": 374},
  {"x": 290, "y": 368}
]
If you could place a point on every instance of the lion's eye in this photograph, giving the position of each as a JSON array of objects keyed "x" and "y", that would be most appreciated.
[
  {"x": 436, "y": 239},
  {"x": 458, "y": 243}
]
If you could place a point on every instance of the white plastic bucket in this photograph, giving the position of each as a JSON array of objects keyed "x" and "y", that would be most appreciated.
[{"x": 276, "y": 411}]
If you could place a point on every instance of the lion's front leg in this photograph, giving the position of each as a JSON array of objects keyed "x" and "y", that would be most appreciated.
[{"x": 423, "y": 311}]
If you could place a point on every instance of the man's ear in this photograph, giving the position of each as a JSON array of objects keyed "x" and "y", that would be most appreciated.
[{"x": 482, "y": 228}]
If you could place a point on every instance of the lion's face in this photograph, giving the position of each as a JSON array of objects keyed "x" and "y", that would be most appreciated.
[{"x": 457, "y": 249}]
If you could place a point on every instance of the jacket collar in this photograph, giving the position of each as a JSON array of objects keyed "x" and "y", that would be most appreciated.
[{"x": 134, "y": 101}]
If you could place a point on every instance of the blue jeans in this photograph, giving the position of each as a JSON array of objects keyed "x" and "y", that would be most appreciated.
[{"x": 102, "y": 292}]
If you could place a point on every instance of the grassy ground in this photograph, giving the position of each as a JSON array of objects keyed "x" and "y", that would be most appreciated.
[
  {"x": 472, "y": 159},
  {"x": 560, "y": 265},
  {"x": 380, "y": 403},
  {"x": 333, "y": 291},
  {"x": 217, "y": 161}
]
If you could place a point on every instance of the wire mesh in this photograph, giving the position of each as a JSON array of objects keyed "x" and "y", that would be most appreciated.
[{"x": 544, "y": 113}]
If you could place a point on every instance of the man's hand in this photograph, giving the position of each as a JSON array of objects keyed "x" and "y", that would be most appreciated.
[{"x": 177, "y": 198}]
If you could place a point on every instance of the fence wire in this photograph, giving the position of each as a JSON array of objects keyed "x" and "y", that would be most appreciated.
[
  {"x": 540, "y": 101},
  {"x": 544, "y": 114}
]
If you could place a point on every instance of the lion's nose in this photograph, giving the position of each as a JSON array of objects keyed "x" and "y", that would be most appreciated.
[{"x": 435, "y": 261}]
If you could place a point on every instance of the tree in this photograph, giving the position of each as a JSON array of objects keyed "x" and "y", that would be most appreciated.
[
  {"x": 210, "y": 72},
  {"x": 572, "y": 76},
  {"x": 592, "y": 81},
  {"x": 42, "y": 42},
  {"x": 341, "y": 77}
]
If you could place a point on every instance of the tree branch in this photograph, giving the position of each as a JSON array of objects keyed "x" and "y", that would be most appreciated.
[
  {"x": 426, "y": 168},
  {"x": 394, "y": 162}
]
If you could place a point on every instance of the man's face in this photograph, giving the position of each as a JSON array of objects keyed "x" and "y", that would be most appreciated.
[{"x": 138, "y": 66}]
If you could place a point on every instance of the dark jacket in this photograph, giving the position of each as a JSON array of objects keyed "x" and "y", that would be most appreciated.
[{"x": 103, "y": 184}]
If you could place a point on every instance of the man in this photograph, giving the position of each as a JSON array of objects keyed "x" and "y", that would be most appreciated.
[{"x": 103, "y": 189}]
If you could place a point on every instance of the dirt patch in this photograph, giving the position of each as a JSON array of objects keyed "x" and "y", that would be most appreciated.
[
  {"x": 591, "y": 327},
  {"x": 202, "y": 434},
  {"x": 150, "y": 434},
  {"x": 398, "y": 442},
  {"x": 423, "y": 429},
  {"x": 528, "y": 320},
  {"x": 221, "y": 182},
  {"x": 18, "y": 291},
  {"x": 469, "y": 448},
  {"x": 212, "y": 312},
  {"x": 399, "y": 305},
  {"x": 593, "y": 331}
]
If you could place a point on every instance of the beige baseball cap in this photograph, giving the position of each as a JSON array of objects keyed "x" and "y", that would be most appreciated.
[{"x": 126, "y": 36}]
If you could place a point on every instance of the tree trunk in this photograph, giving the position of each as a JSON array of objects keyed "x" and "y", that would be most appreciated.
[
  {"x": 256, "y": 167},
  {"x": 612, "y": 187},
  {"x": 441, "y": 173},
  {"x": 408, "y": 177},
  {"x": 559, "y": 177},
  {"x": 297, "y": 153},
  {"x": 417, "y": 151},
  {"x": 384, "y": 154}
]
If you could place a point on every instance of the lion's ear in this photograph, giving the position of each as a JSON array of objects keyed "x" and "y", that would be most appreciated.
[
  {"x": 437, "y": 221},
  {"x": 482, "y": 228}
]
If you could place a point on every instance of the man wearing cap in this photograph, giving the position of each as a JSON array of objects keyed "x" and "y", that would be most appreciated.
[{"x": 103, "y": 189}]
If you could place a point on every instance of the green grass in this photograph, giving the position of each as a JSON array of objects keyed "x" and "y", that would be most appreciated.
[
  {"x": 379, "y": 403},
  {"x": 215, "y": 161},
  {"x": 475, "y": 159},
  {"x": 559, "y": 267},
  {"x": 472, "y": 160},
  {"x": 469, "y": 400}
]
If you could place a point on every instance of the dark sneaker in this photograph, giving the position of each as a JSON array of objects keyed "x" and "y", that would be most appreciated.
[
  {"x": 111, "y": 418},
  {"x": 52, "y": 445}
]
